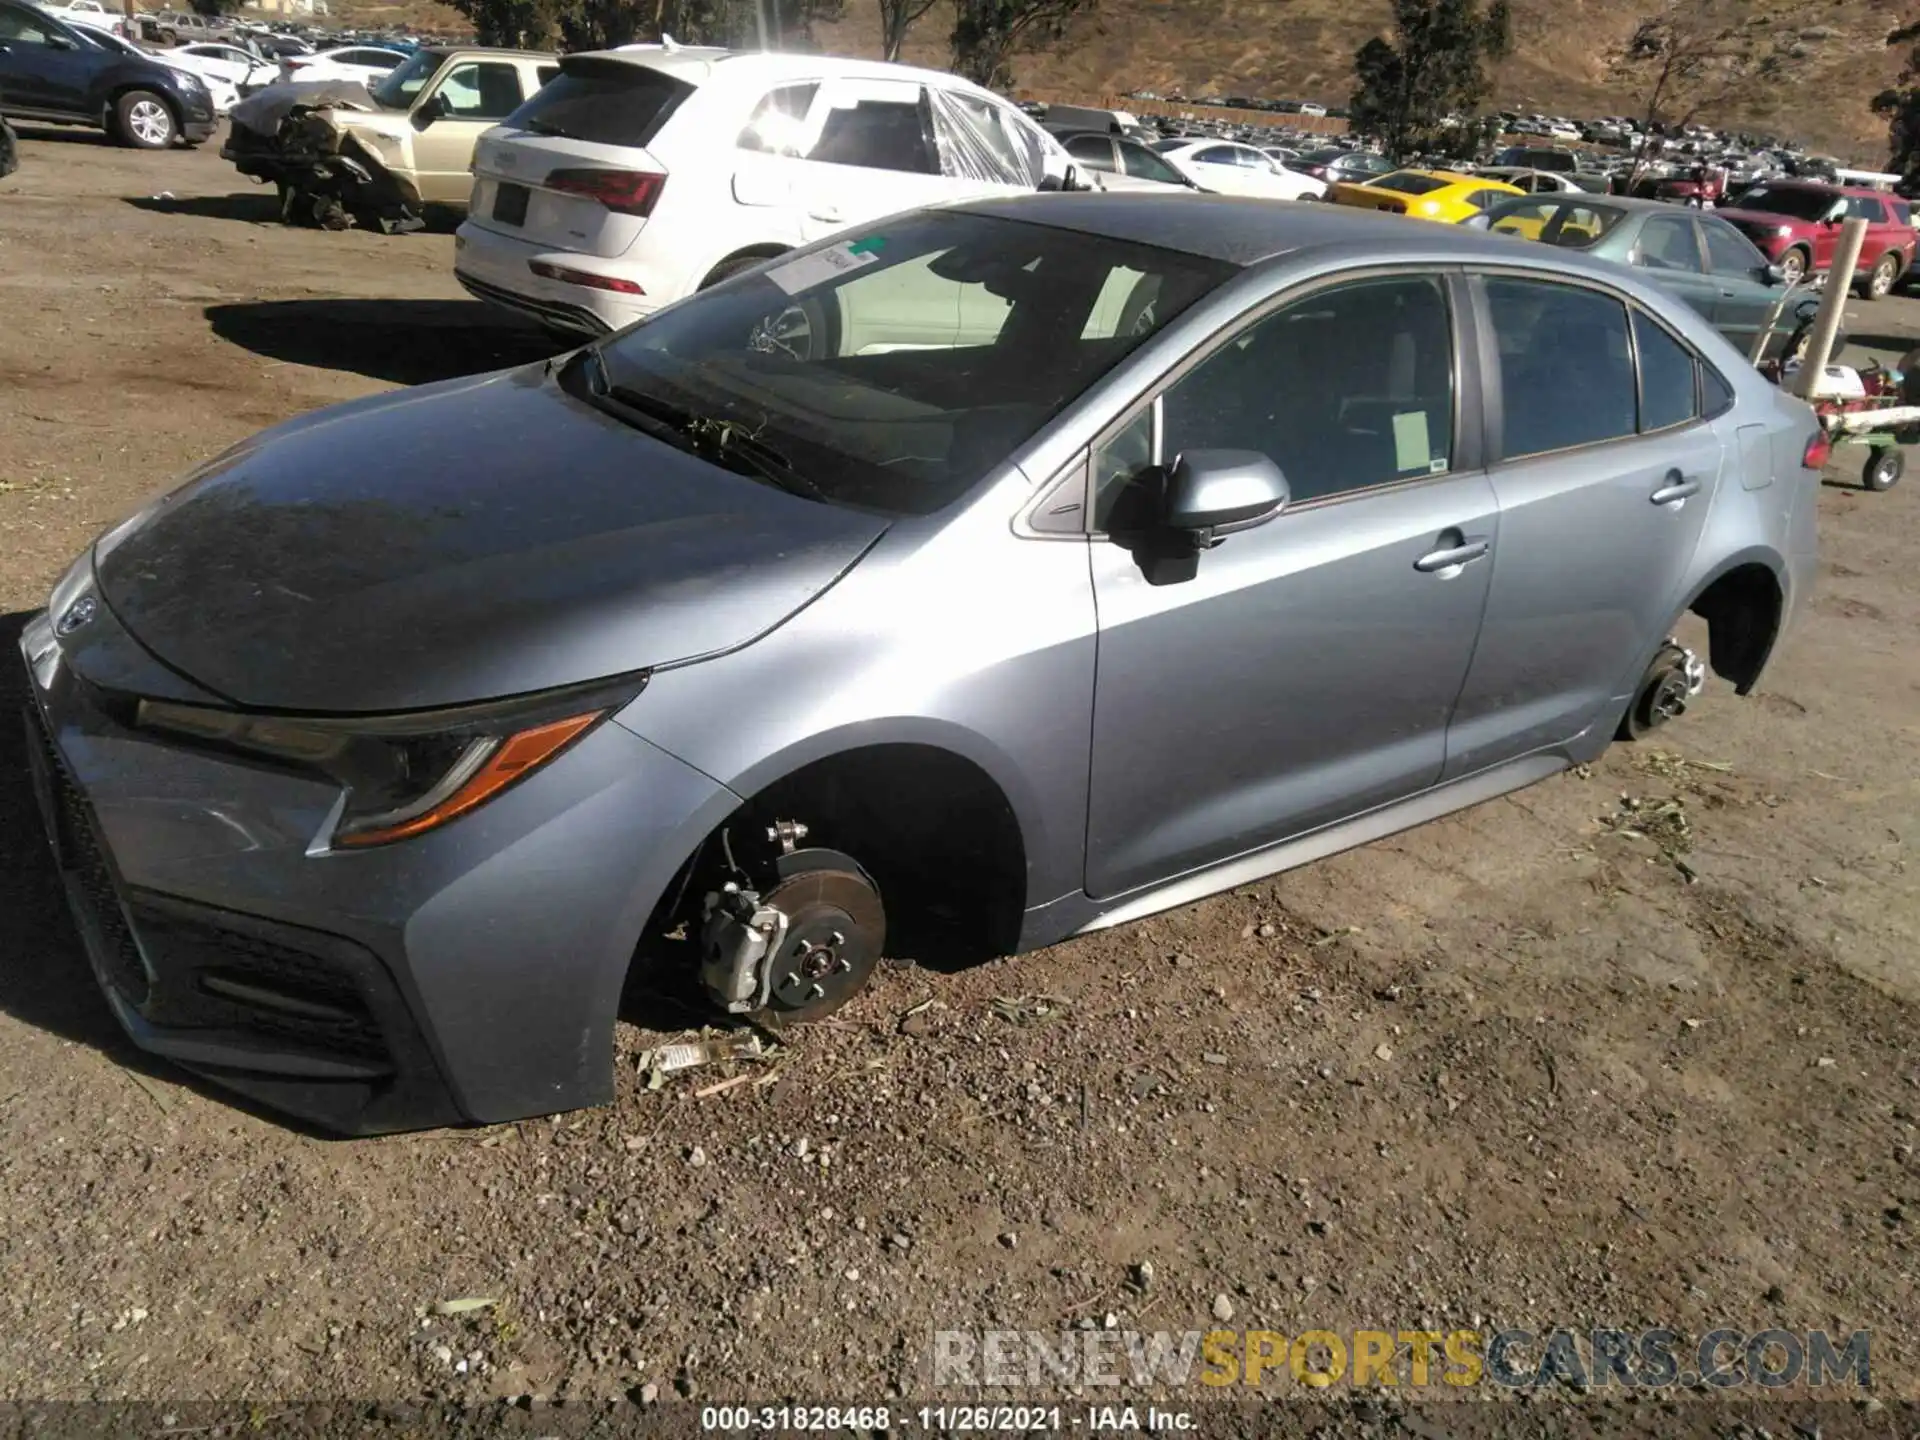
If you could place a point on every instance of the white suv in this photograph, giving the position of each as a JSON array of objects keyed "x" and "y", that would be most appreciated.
[{"x": 643, "y": 174}]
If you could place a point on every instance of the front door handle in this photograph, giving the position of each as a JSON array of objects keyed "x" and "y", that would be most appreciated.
[
  {"x": 1447, "y": 561},
  {"x": 1674, "y": 489},
  {"x": 828, "y": 214}
]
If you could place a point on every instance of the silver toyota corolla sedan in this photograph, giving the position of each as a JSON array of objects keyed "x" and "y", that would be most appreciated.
[{"x": 983, "y": 577}]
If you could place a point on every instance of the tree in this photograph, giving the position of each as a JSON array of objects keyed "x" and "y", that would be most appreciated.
[
  {"x": 896, "y": 18},
  {"x": 987, "y": 34},
  {"x": 1900, "y": 106},
  {"x": 1436, "y": 66},
  {"x": 601, "y": 24},
  {"x": 1693, "y": 56}
]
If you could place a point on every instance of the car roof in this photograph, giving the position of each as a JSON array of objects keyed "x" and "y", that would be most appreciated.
[
  {"x": 1244, "y": 231},
  {"x": 696, "y": 63}
]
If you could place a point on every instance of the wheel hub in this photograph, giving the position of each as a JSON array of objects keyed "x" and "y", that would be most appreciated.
[{"x": 815, "y": 966}]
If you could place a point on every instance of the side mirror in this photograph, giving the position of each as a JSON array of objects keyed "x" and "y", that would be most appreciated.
[
  {"x": 429, "y": 110},
  {"x": 1212, "y": 493},
  {"x": 1773, "y": 275},
  {"x": 1479, "y": 220},
  {"x": 57, "y": 41}
]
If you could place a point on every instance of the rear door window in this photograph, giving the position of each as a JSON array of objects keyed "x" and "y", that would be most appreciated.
[
  {"x": 1865, "y": 207},
  {"x": 1144, "y": 164},
  {"x": 877, "y": 125},
  {"x": 603, "y": 102},
  {"x": 1095, "y": 150},
  {"x": 481, "y": 90},
  {"x": 21, "y": 27},
  {"x": 1668, "y": 243},
  {"x": 1668, "y": 393},
  {"x": 1566, "y": 370},
  {"x": 778, "y": 125},
  {"x": 980, "y": 140},
  {"x": 1729, "y": 253}
]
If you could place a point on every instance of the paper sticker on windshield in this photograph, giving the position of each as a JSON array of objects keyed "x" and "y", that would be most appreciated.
[{"x": 823, "y": 265}]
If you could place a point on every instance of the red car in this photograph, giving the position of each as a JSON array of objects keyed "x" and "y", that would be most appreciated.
[{"x": 1796, "y": 223}]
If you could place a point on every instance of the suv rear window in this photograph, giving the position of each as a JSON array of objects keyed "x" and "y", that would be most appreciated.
[{"x": 604, "y": 102}]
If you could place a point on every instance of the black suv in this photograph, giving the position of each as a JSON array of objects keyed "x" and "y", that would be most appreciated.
[{"x": 54, "y": 72}]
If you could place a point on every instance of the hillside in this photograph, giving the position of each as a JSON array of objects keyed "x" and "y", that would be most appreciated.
[{"x": 1304, "y": 49}]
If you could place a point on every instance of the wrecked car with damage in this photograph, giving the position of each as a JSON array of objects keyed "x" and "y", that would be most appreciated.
[
  {"x": 341, "y": 152},
  {"x": 1097, "y": 553}
]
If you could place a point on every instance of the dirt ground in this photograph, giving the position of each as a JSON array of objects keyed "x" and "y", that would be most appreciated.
[{"x": 1634, "y": 1047}]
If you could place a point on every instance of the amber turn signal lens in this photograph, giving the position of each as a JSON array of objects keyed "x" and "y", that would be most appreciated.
[{"x": 514, "y": 757}]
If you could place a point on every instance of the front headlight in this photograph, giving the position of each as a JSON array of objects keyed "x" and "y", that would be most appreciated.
[{"x": 407, "y": 774}]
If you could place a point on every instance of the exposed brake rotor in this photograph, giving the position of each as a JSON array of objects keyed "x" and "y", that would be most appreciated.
[{"x": 835, "y": 931}]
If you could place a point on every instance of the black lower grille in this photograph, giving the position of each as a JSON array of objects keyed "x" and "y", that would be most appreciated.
[
  {"x": 84, "y": 861},
  {"x": 221, "y": 976}
]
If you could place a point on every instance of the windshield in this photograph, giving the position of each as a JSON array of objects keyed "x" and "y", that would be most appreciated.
[
  {"x": 1409, "y": 182},
  {"x": 1575, "y": 225},
  {"x": 395, "y": 90},
  {"x": 893, "y": 369},
  {"x": 1787, "y": 200}
]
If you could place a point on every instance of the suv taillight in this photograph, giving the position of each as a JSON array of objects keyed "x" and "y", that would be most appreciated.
[
  {"x": 627, "y": 192},
  {"x": 1819, "y": 450}
]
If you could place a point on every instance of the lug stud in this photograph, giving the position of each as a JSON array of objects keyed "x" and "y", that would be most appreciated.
[{"x": 816, "y": 992}]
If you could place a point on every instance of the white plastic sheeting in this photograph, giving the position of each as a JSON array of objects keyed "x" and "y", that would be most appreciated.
[{"x": 979, "y": 140}]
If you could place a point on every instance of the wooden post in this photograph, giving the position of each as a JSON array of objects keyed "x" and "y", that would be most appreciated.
[{"x": 1833, "y": 304}]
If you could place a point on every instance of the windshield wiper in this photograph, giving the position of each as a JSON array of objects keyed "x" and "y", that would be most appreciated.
[{"x": 726, "y": 443}]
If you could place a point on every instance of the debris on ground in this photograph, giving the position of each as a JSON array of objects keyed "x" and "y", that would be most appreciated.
[
  {"x": 664, "y": 1060},
  {"x": 1030, "y": 1009}
]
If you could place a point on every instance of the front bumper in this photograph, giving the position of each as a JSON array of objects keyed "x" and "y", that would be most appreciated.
[
  {"x": 498, "y": 269},
  {"x": 471, "y": 974}
]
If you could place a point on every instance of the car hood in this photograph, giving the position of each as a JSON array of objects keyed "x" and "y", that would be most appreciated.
[
  {"x": 1764, "y": 219},
  {"x": 460, "y": 542}
]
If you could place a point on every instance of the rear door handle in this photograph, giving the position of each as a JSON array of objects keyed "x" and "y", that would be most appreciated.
[
  {"x": 1675, "y": 489},
  {"x": 827, "y": 213},
  {"x": 1446, "y": 562}
]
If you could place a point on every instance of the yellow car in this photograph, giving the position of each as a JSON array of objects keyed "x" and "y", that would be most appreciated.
[{"x": 1443, "y": 195}]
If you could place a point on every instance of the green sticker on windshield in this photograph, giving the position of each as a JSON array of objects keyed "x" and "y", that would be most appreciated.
[{"x": 872, "y": 245}]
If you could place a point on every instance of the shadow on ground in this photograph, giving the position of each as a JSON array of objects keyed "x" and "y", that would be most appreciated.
[
  {"x": 407, "y": 342},
  {"x": 256, "y": 207}
]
